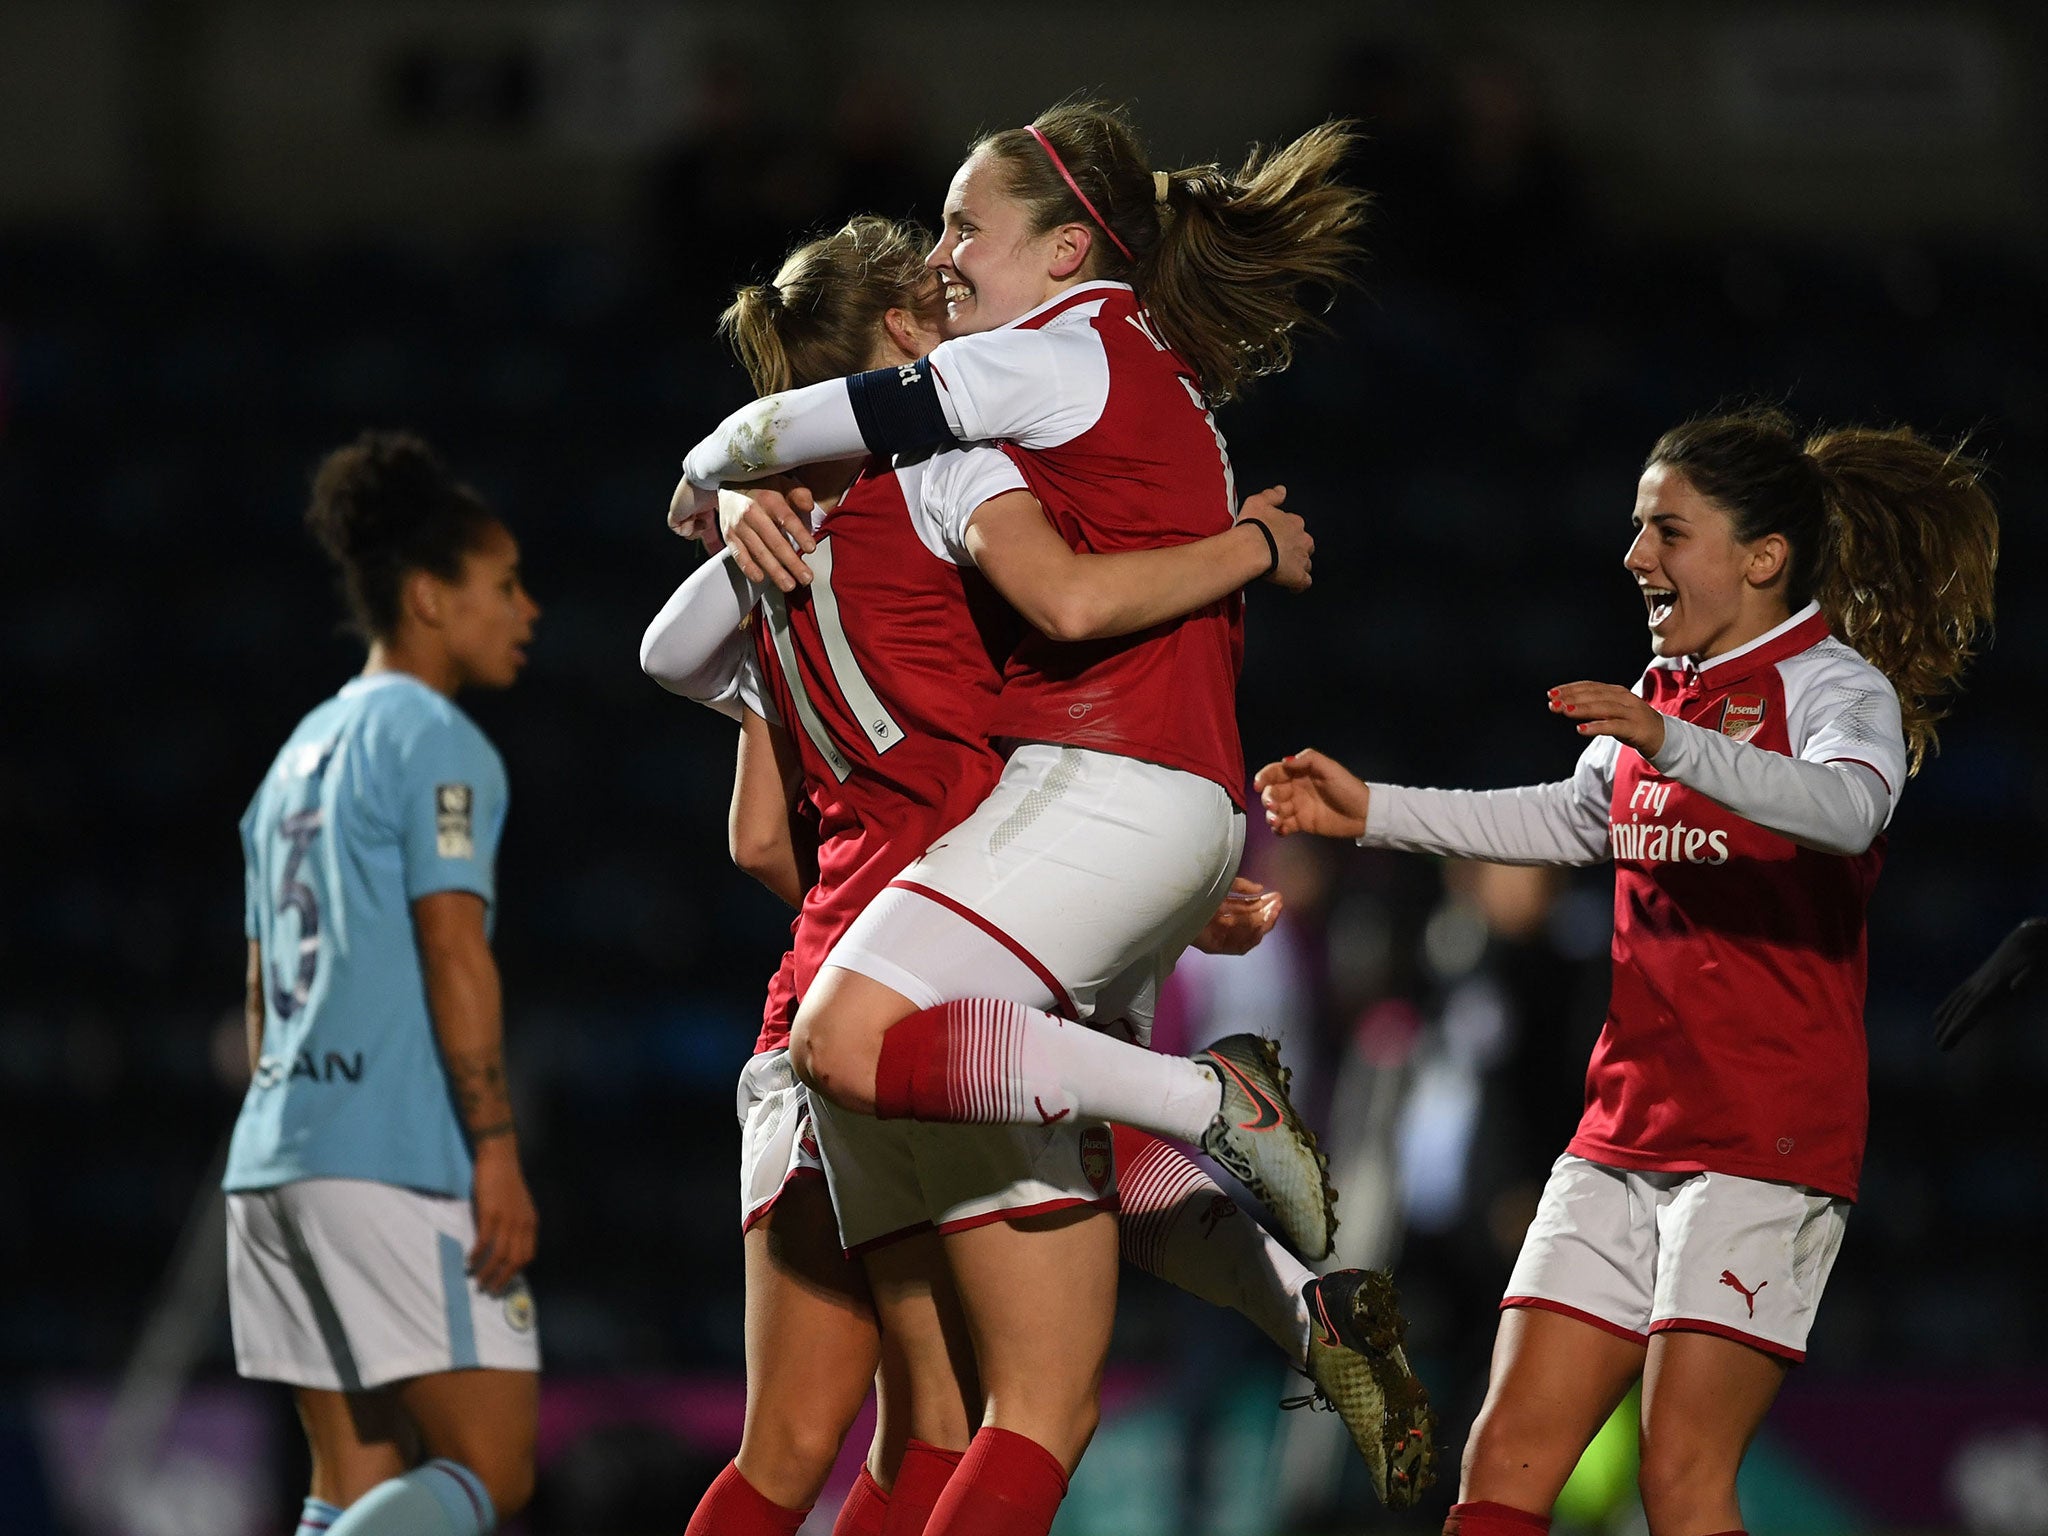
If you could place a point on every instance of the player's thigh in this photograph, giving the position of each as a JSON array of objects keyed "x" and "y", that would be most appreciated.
[
  {"x": 929, "y": 1388},
  {"x": 1039, "y": 1294},
  {"x": 1555, "y": 1380},
  {"x": 357, "y": 1440},
  {"x": 1704, "y": 1398},
  {"x": 836, "y": 1040},
  {"x": 1078, "y": 864},
  {"x": 485, "y": 1419},
  {"x": 811, "y": 1341}
]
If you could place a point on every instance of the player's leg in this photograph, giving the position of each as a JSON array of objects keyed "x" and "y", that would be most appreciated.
[
  {"x": 812, "y": 1347},
  {"x": 1704, "y": 1398},
  {"x": 1040, "y": 1298},
  {"x": 928, "y": 1394},
  {"x": 1572, "y": 1338},
  {"x": 462, "y": 1364},
  {"x": 1555, "y": 1380},
  {"x": 356, "y": 1440},
  {"x": 1076, "y": 866},
  {"x": 1742, "y": 1266},
  {"x": 1176, "y": 1222}
]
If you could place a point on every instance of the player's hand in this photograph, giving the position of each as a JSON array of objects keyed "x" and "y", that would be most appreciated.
[
  {"x": 1246, "y": 916},
  {"x": 692, "y": 514},
  {"x": 1290, "y": 534},
  {"x": 765, "y": 529},
  {"x": 2001, "y": 988},
  {"x": 507, "y": 1226},
  {"x": 1309, "y": 792},
  {"x": 1603, "y": 709}
]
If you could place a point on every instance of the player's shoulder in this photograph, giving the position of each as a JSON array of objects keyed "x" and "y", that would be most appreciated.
[
  {"x": 1830, "y": 672},
  {"x": 399, "y": 710}
]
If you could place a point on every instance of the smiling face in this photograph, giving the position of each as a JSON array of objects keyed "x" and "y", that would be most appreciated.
[
  {"x": 486, "y": 618},
  {"x": 993, "y": 267},
  {"x": 1707, "y": 591}
]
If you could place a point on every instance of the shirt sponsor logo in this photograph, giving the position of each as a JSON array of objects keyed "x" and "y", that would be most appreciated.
[
  {"x": 1655, "y": 842},
  {"x": 332, "y": 1067},
  {"x": 453, "y": 834},
  {"x": 1742, "y": 716}
]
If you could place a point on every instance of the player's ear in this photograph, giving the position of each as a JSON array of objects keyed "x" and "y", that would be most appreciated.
[
  {"x": 423, "y": 597},
  {"x": 1768, "y": 557},
  {"x": 908, "y": 333},
  {"x": 1071, "y": 244}
]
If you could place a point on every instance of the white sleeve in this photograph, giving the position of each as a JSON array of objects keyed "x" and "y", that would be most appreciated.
[
  {"x": 697, "y": 645},
  {"x": 1835, "y": 804},
  {"x": 798, "y": 426},
  {"x": 1561, "y": 823},
  {"x": 954, "y": 485},
  {"x": 1037, "y": 389}
]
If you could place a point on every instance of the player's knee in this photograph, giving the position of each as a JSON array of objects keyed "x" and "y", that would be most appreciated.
[
  {"x": 1679, "y": 1476},
  {"x": 826, "y": 1062},
  {"x": 794, "y": 1451},
  {"x": 507, "y": 1474}
]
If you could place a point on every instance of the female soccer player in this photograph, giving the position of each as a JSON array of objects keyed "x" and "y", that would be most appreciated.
[
  {"x": 378, "y": 1222},
  {"x": 1114, "y": 831},
  {"x": 1810, "y": 601},
  {"x": 909, "y": 618}
]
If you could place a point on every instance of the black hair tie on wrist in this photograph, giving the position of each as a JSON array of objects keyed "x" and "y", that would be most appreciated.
[{"x": 1272, "y": 546}]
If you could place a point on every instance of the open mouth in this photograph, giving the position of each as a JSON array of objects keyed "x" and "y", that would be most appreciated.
[
  {"x": 1661, "y": 600},
  {"x": 958, "y": 292}
]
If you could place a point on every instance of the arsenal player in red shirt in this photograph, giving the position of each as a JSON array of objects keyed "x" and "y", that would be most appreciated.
[{"x": 1811, "y": 599}]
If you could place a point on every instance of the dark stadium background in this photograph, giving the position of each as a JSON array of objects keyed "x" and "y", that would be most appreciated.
[{"x": 233, "y": 234}]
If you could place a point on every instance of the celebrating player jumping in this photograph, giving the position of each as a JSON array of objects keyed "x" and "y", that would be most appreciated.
[{"x": 1810, "y": 602}]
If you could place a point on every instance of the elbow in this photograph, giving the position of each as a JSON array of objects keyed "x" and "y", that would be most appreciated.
[
  {"x": 652, "y": 662},
  {"x": 756, "y": 853},
  {"x": 1072, "y": 616}
]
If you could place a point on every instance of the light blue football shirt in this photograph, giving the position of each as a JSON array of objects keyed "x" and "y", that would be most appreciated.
[{"x": 384, "y": 794}]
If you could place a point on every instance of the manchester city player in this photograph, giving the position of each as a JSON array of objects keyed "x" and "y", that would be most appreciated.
[{"x": 378, "y": 1221}]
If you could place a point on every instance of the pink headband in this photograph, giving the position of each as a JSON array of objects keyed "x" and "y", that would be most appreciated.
[{"x": 1075, "y": 187}]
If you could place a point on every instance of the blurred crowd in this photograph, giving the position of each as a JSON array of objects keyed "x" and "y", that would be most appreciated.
[{"x": 1464, "y": 445}]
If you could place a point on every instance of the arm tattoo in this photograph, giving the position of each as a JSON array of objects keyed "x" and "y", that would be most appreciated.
[{"x": 481, "y": 1098}]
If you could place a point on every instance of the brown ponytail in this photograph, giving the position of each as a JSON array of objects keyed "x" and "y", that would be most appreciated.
[
  {"x": 1894, "y": 536},
  {"x": 820, "y": 316},
  {"x": 1221, "y": 258}
]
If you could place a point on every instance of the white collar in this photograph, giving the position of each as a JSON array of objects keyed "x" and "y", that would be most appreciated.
[
  {"x": 1107, "y": 285},
  {"x": 1773, "y": 633}
]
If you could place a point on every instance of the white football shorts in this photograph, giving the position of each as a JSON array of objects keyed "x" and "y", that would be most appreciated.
[
  {"x": 777, "y": 1142},
  {"x": 1089, "y": 871},
  {"x": 348, "y": 1285},
  {"x": 1642, "y": 1253},
  {"x": 892, "y": 1178},
  {"x": 1073, "y": 888}
]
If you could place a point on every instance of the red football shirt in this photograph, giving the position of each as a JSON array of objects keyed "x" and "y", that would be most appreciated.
[
  {"x": 1734, "y": 1036},
  {"x": 885, "y": 672},
  {"x": 1111, "y": 433}
]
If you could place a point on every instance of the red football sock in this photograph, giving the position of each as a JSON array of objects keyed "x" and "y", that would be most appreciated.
[
  {"x": 732, "y": 1506},
  {"x": 1494, "y": 1520},
  {"x": 866, "y": 1510},
  {"x": 919, "y": 1482},
  {"x": 1006, "y": 1485}
]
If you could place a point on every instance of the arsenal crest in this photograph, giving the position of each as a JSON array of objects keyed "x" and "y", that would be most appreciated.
[
  {"x": 1097, "y": 1161},
  {"x": 1742, "y": 716}
]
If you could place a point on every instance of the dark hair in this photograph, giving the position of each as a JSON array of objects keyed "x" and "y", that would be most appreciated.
[
  {"x": 385, "y": 506},
  {"x": 1221, "y": 257},
  {"x": 1894, "y": 536},
  {"x": 819, "y": 318}
]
